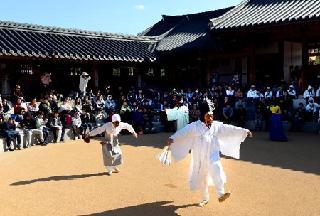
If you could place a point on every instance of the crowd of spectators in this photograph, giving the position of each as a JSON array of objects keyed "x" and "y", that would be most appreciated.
[{"x": 143, "y": 107}]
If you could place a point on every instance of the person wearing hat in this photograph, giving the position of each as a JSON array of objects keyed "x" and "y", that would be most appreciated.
[
  {"x": 84, "y": 79},
  {"x": 205, "y": 139},
  {"x": 111, "y": 152}
]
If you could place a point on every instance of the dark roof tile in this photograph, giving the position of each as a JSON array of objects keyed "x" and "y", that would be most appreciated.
[
  {"x": 49, "y": 42},
  {"x": 185, "y": 32},
  {"x": 250, "y": 13}
]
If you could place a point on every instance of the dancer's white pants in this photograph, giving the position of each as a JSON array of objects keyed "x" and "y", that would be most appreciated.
[
  {"x": 111, "y": 168},
  {"x": 218, "y": 177}
]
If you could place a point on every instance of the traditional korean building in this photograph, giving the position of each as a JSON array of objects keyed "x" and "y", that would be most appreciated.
[
  {"x": 256, "y": 41},
  {"x": 185, "y": 42},
  {"x": 27, "y": 51},
  {"x": 272, "y": 40}
]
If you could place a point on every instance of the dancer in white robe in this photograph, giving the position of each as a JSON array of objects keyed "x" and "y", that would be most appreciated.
[
  {"x": 206, "y": 139},
  {"x": 180, "y": 114},
  {"x": 111, "y": 152}
]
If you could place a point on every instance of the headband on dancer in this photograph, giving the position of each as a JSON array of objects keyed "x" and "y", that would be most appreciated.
[
  {"x": 211, "y": 106},
  {"x": 206, "y": 111}
]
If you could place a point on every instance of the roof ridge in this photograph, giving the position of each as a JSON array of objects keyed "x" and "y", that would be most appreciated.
[
  {"x": 251, "y": 13},
  {"x": 204, "y": 13},
  {"x": 215, "y": 21},
  {"x": 73, "y": 31}
]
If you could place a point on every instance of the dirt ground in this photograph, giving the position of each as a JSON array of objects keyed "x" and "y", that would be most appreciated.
[{"x": 69, "y": 178}]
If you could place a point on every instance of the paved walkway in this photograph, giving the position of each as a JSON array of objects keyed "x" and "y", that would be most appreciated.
[{"x": 69, "y": 179}]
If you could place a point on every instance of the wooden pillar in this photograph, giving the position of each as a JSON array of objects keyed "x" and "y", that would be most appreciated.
[
  {"x": 95, "y": 78},
  {"x": 305, "y": 61},
  {"x": 138, "y": 77},
  {"x": 244, "y": 71},
  {"x": 252, "y": 64},
  {"x": 5, "y": 85},
  {"x": 207, "y": 71}
]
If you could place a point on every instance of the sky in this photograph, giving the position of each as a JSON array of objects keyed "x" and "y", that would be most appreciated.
[{"x": 113, "y": 16}]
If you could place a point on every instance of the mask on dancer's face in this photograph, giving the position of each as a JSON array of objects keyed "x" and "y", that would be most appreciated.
[
  {"x": 208, "y": 119},
  {"x": 115, "y": 123}
]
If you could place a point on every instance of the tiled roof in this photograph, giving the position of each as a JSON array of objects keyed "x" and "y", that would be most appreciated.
[
  {"x": 185, "y": 32},
  {"x": 251, "y": 13},
  {"x": 26, "y": 40}
]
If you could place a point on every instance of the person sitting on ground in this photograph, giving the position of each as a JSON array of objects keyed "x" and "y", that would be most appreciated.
[
  {"x": 268, "y": 93},
  {"x": 227, "y": 113},
  {"x": 312, "y": 109},
  {"x": 194, "y": 113},
  {"x": 86, "y": 123},
  {"x": 18, "y": 107},
  {"x": 65, "y": 116},
  {"x": 55, "y": 125},
  {"x": 6, "y": 106},
  {"x": 100, "y": 117},
  {"x": 11, "y": 134},
  {"x": 292, "y": 92},
  {"x": 299, "y": 116},
  {"x": 309, "y": 92},
  {"x": 41, "y": 125},
  {"x": 99, "y": 103},
  {"x": 110, "y": 104},
  {"x": 33, "y": 106},
  {"x": 76, "y": 125},
  {"x": 125, "y": 112},
  {"x": 45, "y": 107},
  {"x": 29, "y": 127},
  {"x": 87, "y": 105},
  {"x": 77, "y": 105},
  {"x": 252, "y": 93}
]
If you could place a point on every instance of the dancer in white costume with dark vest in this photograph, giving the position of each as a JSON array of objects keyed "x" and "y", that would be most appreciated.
[
  {"x": 111, "y": 152},
  {"x": 206, "y": 139}
]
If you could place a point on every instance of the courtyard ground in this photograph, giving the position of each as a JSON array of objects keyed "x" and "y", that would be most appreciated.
[{"x": 271, "y": 178}]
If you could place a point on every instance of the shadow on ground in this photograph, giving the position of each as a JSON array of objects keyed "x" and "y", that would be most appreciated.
[
  {"x": 148, "y": 209},
  {"x": 301, "y": 153},
  {"x": 57, "y": 178}
]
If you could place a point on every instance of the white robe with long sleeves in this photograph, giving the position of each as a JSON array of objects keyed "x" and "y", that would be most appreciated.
[
  {"x": 111, "y": 134},
  {"x": 206, "y": 143},
  {"x": 108, "y": 128},
  {"x": 180, "y": 114}
]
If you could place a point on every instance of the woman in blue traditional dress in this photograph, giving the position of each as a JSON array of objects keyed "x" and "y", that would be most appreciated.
[{"x": 276, "y": 131}]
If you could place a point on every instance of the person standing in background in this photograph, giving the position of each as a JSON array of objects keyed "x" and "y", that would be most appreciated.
[{"x": 84, "y": 79}]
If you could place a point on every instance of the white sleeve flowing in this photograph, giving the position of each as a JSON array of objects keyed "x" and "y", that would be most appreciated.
[
  {"x": 172, "y": 114},
  {"x": 99, "y": 130},
  {"x": 182, "y": 142},
  {"x": 181, "y": 115},
  {"x": 127, "y": 127},
  {"x": 230, "y": 138}
]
